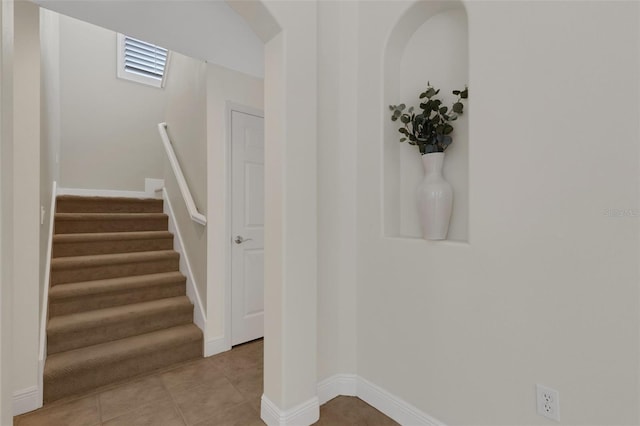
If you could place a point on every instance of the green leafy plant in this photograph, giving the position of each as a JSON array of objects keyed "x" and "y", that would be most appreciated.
[{"x": 430, "y": 130}]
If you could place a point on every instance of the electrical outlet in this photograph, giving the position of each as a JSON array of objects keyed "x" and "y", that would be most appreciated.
[{"x": 548, "y": 402}]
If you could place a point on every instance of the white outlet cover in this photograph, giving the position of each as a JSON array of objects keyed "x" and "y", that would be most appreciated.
[{"x": 548, "y": 402}]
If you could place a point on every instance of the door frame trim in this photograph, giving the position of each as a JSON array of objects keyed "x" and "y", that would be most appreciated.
[{"x": 230, "y": 108}]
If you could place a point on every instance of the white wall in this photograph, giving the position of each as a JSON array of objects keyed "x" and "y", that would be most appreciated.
[
  {"x": 49, "y": 124},
  {"x": 26, "y": 200},
  {"x": 6, "y": 212},
  {"x": 186, "y": 118},
  {"x": 337, "y": 218},
  {"x": 109, "y": 136},
  {"x": 547, "y": 290},
  {"x": 291, "y": 244},
  {"x": 196, "y": 115},
  {"x": 207, "y": 30},
  {"x": 223, "y": 85}
]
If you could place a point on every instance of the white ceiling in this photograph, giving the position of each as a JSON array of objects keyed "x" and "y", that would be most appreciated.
[{"x": 203, "y": 29}]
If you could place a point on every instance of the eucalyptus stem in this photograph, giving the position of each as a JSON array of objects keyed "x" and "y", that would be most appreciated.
[{"x": 429, "y": 130}]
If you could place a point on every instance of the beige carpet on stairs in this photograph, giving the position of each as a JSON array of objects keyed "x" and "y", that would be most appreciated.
[{"x": 117, "y": 301}]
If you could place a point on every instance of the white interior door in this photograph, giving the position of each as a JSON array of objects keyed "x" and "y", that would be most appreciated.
[{"x": 247, "y": 227}]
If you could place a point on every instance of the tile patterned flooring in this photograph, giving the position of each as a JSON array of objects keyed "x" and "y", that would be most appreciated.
[{"x": 223, "y": 390}]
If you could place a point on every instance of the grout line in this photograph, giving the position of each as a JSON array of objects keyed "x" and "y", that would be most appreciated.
[
  {"x": 137, "y": 407},
  {"x": 173, "y": 400}
]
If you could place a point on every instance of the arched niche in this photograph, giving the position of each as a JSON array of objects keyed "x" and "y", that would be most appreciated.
[{"x": 428, "y": 43}]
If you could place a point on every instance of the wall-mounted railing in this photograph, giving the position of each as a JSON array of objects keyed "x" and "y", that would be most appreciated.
[{"x": 196, "y": 216}]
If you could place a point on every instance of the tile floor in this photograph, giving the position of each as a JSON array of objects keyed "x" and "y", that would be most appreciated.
[{"x": 223, "y": 390}]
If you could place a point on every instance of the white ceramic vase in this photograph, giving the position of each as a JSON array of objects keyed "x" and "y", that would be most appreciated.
[{"x": 435, "y": 198}]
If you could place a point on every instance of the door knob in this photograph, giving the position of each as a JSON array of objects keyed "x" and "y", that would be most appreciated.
[{"x": 239, "y": 239}]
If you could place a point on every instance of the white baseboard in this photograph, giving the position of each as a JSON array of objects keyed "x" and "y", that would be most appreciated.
[
  {"x": 389, "y": 404},
  {"x": 26, "y": 400},
  {"x": 304, "y": 414},
  {"x": 109, "y": 192},
  {"x": 340, "y": 384},
  {"x": 215, "y": 346},
  {"x": 347, "y": 385},
  {"x": 269, "y": 412},
  {"x": 199, "y": 317},
  {"x": 41, "y": 381},
  {"x": 42, "y": 354}
]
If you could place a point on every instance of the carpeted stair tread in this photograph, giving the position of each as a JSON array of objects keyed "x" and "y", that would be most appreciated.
[
  {"x": 102, "y": 317},
  {"x": 73, "y": 223},
  {"x": 112, "y": 285},
  {"x": 76, "y": 204},
  {"x": 84, "y": 296},
  {"x": 65, "y": 245},
  {"x": 96, "y": 355},
  {"x": 106, "y": 216},
  {"x": 110, "y": 236},
  {"x": 76, "y": 371},
  {"x": 104, "y": 266},
  {"x": 73, "y": 262},
  {"x": 89, "y": 328}
]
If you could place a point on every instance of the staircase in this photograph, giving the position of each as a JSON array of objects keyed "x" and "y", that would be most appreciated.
[{"x": 117, "y": 302}]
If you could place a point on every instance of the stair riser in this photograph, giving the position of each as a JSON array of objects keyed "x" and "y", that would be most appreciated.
[
  {"x": 109, "y": 247},
  {"x": 110, "y": 225},
  {"x": 125, "y": 297},
  {"x": 88, "y": 379},
  {"x": 101, "y": 272},
  {"x": 108, "y": 332},
  {"x": 100, "y": 206}
]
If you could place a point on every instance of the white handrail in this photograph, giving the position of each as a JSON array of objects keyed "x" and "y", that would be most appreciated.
[{"x": 196, "y": 216}]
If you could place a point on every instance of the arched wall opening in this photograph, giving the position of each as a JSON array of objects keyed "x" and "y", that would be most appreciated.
[
  {"x": 429, "y": 43},
  {"x": 288, "y": 31}
]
